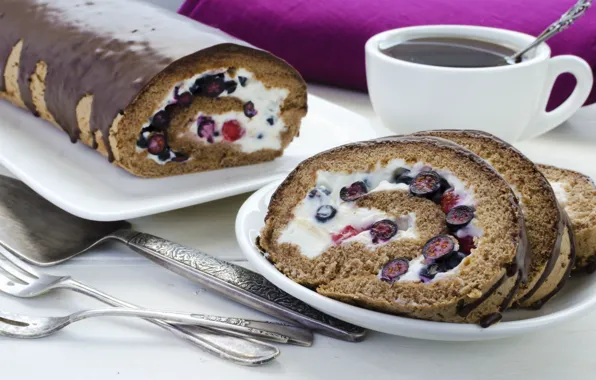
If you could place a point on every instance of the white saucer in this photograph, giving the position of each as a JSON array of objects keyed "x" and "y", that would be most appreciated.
[
  {"x": 82, "y": 182},
  {"x": 575, "y": 299}
]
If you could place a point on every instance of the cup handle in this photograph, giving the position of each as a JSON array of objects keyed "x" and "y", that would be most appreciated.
[{"x": 545, "y": 121}]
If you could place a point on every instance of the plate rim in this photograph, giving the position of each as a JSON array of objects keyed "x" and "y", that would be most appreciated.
[{"x": 408, "y": 327}]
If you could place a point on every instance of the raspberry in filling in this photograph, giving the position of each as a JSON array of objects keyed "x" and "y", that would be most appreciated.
[
  {"x": 449, "y": 200},
  {"x": 232, "y": 130},
  {"x": 346, "y": 233},
  {"x": 466, "y": 244}
]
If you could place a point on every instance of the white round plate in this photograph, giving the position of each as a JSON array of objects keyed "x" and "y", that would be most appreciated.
[{"x": 578, "y": 295}]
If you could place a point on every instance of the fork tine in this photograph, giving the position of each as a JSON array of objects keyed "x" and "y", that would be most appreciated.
[
  {"x": 18, "y": 262},
  {"x": 10, "y": 269}
]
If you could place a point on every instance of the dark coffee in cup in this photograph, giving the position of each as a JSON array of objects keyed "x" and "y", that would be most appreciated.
[{"x": 450, "y": 52}]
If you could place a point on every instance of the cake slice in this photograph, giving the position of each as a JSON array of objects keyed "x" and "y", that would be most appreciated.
[
  {"x": 156, "y": 93},
  {"x": 576, "y": 193},
  {"x": 546, "y": 223},
  {"x": 413, "y": 226}
]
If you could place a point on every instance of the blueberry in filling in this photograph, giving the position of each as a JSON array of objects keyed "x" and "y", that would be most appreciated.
[
  {"x": 170, "y": 108},
  {"x": 383, "y": 230},
  {"x": 318, "y": 191},
  {"x": 443, "y": 187},
  {"x": 142, "y": 143},
  {"x": 271, "y": 120},
  {"x": 429, "y": 272},
  {"x": 439, "y": 246},
  {"x": 213, "y": 86},
  {"x": 231, "y": 86},
  {"x": 249, "y": 109},
  {"x": 325, "y": 212},
  {"x": 179, "y": 157},
  {"x": 184, "y": 99},
  {"x": 401, "y": 175},
  {"x": 459, "y": 217},
  {"x": 451, "y": 261},
  {"x": 394, "y": 269},
  {"x": 206, "y": 128},
  {"x": 242, "y": 80},
  {"x": 353, "y": 192},
  {"x": 160, "y": 120},
  {"x": 157, "y": 144},
  {"x": 426, "y": 184},
  {"x": 165, "y": 155},
  {"x": 196, "y": 88},
  {"x": 260, "y": 136}
]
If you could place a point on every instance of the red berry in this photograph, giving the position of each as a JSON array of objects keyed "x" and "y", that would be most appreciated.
[
  {"x": 232, "y": 130},
  {"x": 346, "y": 233},
  {"x": 466, "y": 244},
  {"x": 449, "y": 200}
]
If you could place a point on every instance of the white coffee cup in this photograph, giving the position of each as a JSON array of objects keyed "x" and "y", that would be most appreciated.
[{"x": 507, "y": 101}]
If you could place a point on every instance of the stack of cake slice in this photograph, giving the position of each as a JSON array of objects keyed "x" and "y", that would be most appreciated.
[{"x": 445, "y": 225}]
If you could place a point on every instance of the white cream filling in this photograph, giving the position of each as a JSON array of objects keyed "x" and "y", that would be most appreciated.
[
  {"x": 560, "y": 192},
  {"x": 315, "y": 237},
  {"x": 258, "y": 132}
]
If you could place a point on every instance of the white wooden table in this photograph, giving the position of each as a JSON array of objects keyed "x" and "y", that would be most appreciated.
[{"x": 127, "y": 349}]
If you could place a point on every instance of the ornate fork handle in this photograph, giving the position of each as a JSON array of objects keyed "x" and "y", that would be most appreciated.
[{"x": 240, "y": 284}]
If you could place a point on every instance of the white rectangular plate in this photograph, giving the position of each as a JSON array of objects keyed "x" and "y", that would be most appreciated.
[{"x": 84, "y": 183}]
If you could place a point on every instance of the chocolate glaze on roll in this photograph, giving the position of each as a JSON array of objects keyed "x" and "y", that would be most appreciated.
[{"x": 102, "y": 69}]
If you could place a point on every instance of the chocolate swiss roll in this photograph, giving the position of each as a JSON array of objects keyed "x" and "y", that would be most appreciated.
[
  {"x": 154, "y": 92},
  {"x": 413, "y": 226}
]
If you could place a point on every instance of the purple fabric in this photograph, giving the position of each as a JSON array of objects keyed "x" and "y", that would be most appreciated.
[{"x": 324, "y": 39}]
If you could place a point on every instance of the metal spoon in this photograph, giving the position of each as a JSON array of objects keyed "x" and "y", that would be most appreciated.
[
  {"x": 21, "y": 326},
  {"x": 558, "y": 26}
]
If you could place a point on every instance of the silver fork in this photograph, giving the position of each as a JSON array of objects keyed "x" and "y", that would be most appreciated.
[
  {"x": 21, "y": 326},
  {"x": 31, "y": 283}
]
